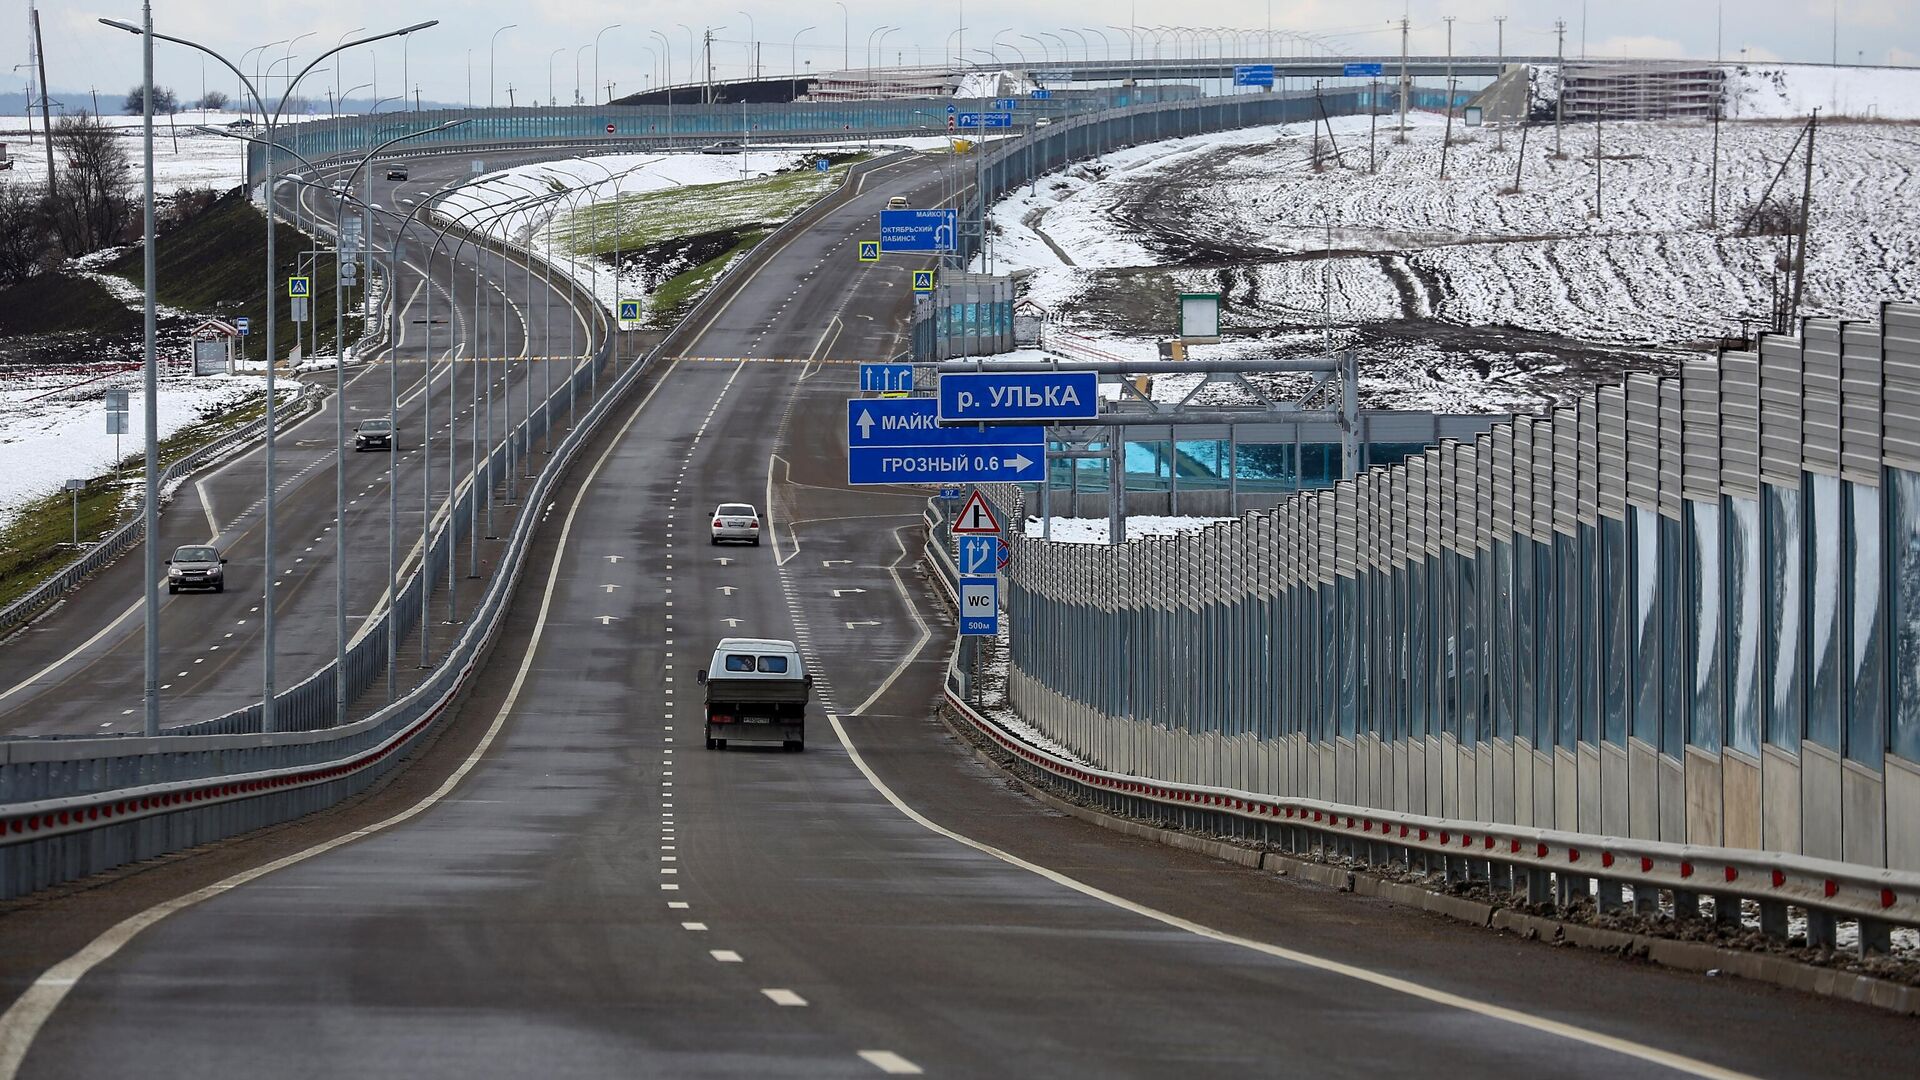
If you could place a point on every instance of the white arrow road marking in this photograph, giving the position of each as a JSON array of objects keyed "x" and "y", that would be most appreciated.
[
  {"x": 838, "y": 593},
  {"x": 729, "y": 589},
  {"x": 605, "y": 620},
  {"x": 609, "y": 588},
  {"x": 732, "y": 622},
  {"x": 831, "y": 563},
  {"x": 724, "y": 562},
  {"x": 857, "y": 625},
  {"x": 613, "y": 558},
  {"x": 865, "y": 424}
]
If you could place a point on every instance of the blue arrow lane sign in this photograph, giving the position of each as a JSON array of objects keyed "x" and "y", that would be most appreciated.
[
  {"x": 1038, "y": 395},
  {"x": 886, "y": 378},
  {"x": 979, "y": 606},
  {"x": 979, "y": 556},
  {"x": 900, "y": 441}
]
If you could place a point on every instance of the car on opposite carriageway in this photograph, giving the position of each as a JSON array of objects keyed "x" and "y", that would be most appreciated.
[
  {"x": 373, "y": 433},
  {"x": 196, "y": 566}
]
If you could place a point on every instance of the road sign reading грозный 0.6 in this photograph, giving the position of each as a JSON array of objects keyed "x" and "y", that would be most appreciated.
[
  {"x": 925, "y": 231},
  {"x": 1032, "y": 395},
  {"x": 900, "y": 441}
]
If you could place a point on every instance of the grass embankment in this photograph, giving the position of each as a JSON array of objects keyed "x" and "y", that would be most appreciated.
[
  {"x": 212, "y": 266},
  {"x": 39, "y": 541},
  {"x": 688, "y": 235},
  {"x": 56, "y": 303}
]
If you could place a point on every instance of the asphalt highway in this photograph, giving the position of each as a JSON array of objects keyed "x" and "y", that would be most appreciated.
[
  {"x": 591, "y": 892},
  {"x": 81, "y": 667}
]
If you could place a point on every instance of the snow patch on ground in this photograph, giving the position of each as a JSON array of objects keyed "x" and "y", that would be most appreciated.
[
  {"x": 1067, "y": 530},
  {"x": 52, "y": 430},
  {"x": 1791, "y": 91}
]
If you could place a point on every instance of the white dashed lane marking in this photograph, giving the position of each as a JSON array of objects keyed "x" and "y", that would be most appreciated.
[{"x": 889, "y": 1062}]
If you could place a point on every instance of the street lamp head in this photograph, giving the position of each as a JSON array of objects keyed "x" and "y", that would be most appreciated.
[{"x": 418, "y": 26}]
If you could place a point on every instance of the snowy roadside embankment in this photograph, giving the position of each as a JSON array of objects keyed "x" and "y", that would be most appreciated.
[{"x": 53, "y": 425}]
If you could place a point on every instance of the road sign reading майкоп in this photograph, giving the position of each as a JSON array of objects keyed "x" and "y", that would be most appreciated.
[
  {"x": 1028, "y": 395},
  {"x": 900, "y": 441},
  {"x": 919, "y": 230}
]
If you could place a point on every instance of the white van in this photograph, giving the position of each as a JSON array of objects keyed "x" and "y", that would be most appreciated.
[{"x": 757, "y": 690}]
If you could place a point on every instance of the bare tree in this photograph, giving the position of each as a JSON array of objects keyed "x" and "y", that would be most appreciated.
[
  {"x": 93, "y": 205},
  {"x": 23, "y": 232},
  {"x": 214, "y": 100},
  {"x": 164, "y": 101}
]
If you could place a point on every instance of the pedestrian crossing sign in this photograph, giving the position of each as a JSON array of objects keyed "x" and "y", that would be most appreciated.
[
  {"x": 923, "y": 281},
  {"x": 299, "y": 287},
  {"x": 869, "y": 251},
  {"x": 629, "y": 311}
]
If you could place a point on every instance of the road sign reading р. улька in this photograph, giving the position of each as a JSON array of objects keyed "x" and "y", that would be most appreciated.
[
  {"x": 900, "y": 441},
  {"x": 1029, "y": 395},
  {"x": 979, "y": 606},
  {"x": 919, "y": 230}
]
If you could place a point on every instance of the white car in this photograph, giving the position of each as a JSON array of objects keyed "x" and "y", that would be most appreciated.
[{"x": 736, "y": 521}]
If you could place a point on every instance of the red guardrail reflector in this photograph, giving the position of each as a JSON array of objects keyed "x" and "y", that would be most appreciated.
[
  {"x": 1573, "y": 854},
  {"x": 1489, "y": 844},
  {"x": 1686, "y": 869},
  {"x": 1646, "y": 865},
  {"x": 1732, "y": 873},
  {"x": 1886, "y": 898},
  {"x": 1831, "y": 888},
  {"x": 1606, "y": 858},
  {"x": 1445, "y": 838},
  {"x": 1779, "y": 878},
  {"x": 1540, "y": 851}
]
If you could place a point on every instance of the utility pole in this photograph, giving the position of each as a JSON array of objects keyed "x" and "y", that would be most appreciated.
[
  {"x": 1560, "y": 98},
  {"x": 509, "y": 95},
  {"x": 1500, "y": 29},
  {"x": 707, "y": 54},
  {"x": 1373, "y": 121},
  {"x": 1713, "y": 171},
  {"x": 1597, "y": 160},
  {"x": 1446, "y": 139},
  {"x": 46, "y": 114},
  {"x": 1406, "y": 84},
  {"x": 1806, "y": 212},
  {"x": 150, "y": 509}
]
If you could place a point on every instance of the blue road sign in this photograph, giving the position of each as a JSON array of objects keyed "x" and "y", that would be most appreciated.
[
  {"x": 991, "y": 120},
  {"x": 1027, "y": 395},
  {"x": 900, "y": 441},
  {"x": 919, "y": 230},
  {"x": 1253, "y": 75},
  {"x": 923, "y": 281},
  {"x": 951, "y": 110},
  {"x": 820, "y": 165},
  {"x": 951, "y": 493},
  {"x": 1006, "y": 103},
  {"x": 243, "y": 324},
  {"x": 979, "y": 606},
  {"x": 978, "y": 556},
  {"x": 886, "y": 378},
  {"x": 869, "y": 251},
  {"x": 1361, "y": 71},
  {"x": 1040, "y": 94},
  {"x": 629, "y": 311}
]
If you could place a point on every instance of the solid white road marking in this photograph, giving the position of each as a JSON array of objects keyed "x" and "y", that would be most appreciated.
[
  {"x": 1624, "y": 1047},
  {"x": 889, "y": 1062},
  {"x": 913, "y": 610},
  {"x": 784, "y": 997},
  {"x": 22, "y": 1021},
  {"x": 693, "y": 926},
  {"x": 725, "y": 956}
]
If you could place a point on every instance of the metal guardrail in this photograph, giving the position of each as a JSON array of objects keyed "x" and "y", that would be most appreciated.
[
  {"x": 129, "y": 533},
  {"x": 73, "y": 807},
  {"x": 1545, "y": 865}
]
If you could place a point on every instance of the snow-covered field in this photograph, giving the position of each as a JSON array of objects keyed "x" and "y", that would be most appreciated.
[
  {"x": 53, "y": 425},
  {"x": 1401, "y": 254},
  {"x": 182, "y": 157},
  {"x": 1791, "y": 91}
]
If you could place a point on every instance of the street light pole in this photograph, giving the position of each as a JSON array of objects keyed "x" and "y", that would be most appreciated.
[
  {"x": 272, "y": 184},
  {"x": 596, "y": 59},
  {"x": 793, "y": 60},
  {"x": 150, "y": 512},
  {"x": 491, "y": 54}
]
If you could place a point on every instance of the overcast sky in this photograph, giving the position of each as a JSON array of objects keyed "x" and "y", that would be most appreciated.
[{"x": 550, "y": 34}]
